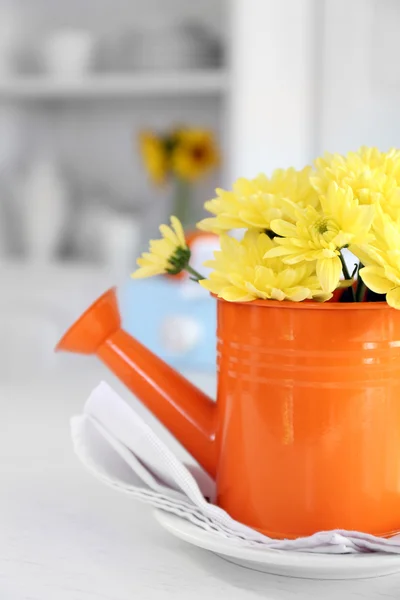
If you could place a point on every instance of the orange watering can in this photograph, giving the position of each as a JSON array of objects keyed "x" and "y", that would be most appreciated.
[{"x": 305, "y": 433}]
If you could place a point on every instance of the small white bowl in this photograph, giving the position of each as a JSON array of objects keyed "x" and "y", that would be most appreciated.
[{"x": 68, "y": 53}]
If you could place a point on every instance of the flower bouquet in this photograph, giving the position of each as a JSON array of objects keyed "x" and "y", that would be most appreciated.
[{"x": 296, "y": 225}]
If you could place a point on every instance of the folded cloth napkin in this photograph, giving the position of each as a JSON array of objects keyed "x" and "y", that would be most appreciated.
[{"x": 121, "y": 450}]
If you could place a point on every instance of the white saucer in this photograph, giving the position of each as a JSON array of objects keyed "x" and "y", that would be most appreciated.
[{"x": 278, "y": 562}]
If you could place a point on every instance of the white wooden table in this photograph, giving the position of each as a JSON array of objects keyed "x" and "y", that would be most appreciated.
[{"x": 65, "y": 536}]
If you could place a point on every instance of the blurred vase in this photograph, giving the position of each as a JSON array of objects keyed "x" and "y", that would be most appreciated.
[
  {"x": 68, "y": 53},
  {"x": 120, "y": 239},
  {"x": 87, "y": 231},
  {"x": 44, "y": 198},
  {"x": 3, "y": 229},
  {"x": 11, "y": 36},
  {"x": 181, "y": 202}
]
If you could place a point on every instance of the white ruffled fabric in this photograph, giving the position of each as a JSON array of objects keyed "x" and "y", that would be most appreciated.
[{"x": 122, "y": 451}]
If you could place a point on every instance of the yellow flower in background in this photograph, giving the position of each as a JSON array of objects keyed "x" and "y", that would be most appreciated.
[
  {"x": 254, "y": 203},
  {"x": 179, "y": 156},
  {"x": 319, "y": 236},
  {"x": 194, "y": 153},
  {"x": 241, "y": 273},
  {"x": 154, "y": 156},
  {"x": 170, "y": 254}
]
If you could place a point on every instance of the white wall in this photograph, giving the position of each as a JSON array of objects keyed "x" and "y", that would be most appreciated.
[
  {"x": 361, "y": 76},
  {"x": 310, "y": 76},
  {"x": 273, "y": 62}
]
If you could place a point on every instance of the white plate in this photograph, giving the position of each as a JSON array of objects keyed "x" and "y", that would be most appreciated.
[{"x": 278, "y": 562}]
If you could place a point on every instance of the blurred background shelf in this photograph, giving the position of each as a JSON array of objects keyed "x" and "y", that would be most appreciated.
[
  {"x": 194, "y": 82},
  {"x": 79, "y": 85}
]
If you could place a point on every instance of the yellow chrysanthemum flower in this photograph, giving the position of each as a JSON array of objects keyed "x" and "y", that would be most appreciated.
[
  {"x": 170, "y": 254},
  {"x": 241, "y": 273},
  {"x": 254, "y": 203},
  {"x": 154, "y": 156},
  {"x": 373, "y": 176},
  {"x": 194, "y": 154},
  {"x": 320, "y": 235},
  {"x": 382, "y": 257}
]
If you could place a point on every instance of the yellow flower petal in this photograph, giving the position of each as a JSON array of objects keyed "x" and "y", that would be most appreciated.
[
  {"x": 298, "y": 294},
  {"x": 365, "y": 217},
  {"x": 374, "y": 278},
  {"x": 283, "y": 228},
  {"x": 277, "y": 294},
  {"x": 168, "y": 234},
  {"x": 232, "y": 294},
  {"x": 322, "y": 297},
  {"x": 328, "y": 273},
  {"x": 367, "y": 255},
  {"x": 148, "y": 259},
  {"x": 148, "y": 271},
  {"x": 345, "y": 283},
  {"x": 342, "y": 239},
  {"x": 209, "y": 224},
  {"x": 393, "y": 298},
  {"x": 393, "y": 274},
  {"x": 288, "y": 277},
  {"x": 212, "y": 285},
  {"x": 277, "y": 251},
  {"x": 177, "y": 227}
]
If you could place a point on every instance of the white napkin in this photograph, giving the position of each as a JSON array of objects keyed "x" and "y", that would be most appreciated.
[{"x": 121, "y": 450}]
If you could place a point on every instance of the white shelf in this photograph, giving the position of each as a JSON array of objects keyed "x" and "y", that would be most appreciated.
[{"x": 201, "y": 82}]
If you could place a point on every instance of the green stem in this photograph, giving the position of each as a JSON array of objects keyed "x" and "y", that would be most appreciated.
[
  {"x": 344, "y": 266},
  {"x": 195, "y": 274},
  {"x": 361, "y": 287},
  {"x": 346, "y": 274},
  {"x": 182, "y": 203}
]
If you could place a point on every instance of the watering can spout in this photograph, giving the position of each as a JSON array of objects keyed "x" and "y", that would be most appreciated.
[{"x": 186, "y": 411}]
